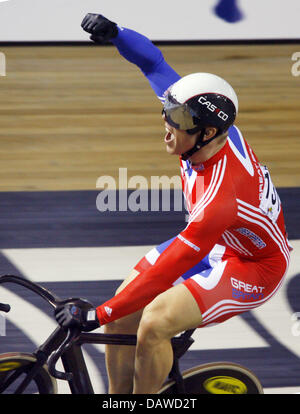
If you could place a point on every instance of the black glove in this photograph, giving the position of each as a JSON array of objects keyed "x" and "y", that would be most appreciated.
[
  {"x": 100, "y": 28},
  {"x": 77, "y": 314}
]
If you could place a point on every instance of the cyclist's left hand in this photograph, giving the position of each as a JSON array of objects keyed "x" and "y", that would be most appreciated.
[
  {"x": 74, "y": 315},
  {"x": 101, "y": 29}
]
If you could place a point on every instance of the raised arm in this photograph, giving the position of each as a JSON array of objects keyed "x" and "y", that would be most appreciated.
[{"x": 135, "y": 48}]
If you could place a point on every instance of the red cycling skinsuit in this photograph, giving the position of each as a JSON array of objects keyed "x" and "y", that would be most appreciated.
[{"x": 233, "y": 253}]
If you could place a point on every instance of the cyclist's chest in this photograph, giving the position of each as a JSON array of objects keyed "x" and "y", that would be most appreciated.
[{"x": 195, "y": 184}]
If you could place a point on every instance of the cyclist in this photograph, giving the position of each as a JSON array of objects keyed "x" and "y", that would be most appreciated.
[{"x": 233, "y": 253}]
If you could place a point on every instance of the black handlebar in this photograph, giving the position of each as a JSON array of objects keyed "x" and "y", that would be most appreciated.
[
  {"x": 4, "y": 307},
  {"x": 51, "y": 298},
  {"x": 54, "y": 301}
]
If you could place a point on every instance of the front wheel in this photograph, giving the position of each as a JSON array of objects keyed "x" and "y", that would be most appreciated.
[
  {"x": 18, "y": 376},
  {"x": 217, "y": 378}
]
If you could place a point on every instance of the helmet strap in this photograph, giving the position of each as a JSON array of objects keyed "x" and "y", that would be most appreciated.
[{"x": 198, "y": 145}]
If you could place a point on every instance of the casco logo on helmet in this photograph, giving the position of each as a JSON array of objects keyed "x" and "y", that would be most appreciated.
[{"x": 213, "y": 108}]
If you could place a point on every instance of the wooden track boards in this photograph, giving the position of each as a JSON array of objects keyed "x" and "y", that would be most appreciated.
[{"x": 70, "y": 114}]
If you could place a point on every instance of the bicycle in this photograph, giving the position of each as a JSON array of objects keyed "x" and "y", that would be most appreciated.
[{"x": 36, "y": 372}]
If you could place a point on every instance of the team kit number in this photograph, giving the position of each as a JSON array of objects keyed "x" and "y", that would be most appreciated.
[{"x": 270, "y": 203}]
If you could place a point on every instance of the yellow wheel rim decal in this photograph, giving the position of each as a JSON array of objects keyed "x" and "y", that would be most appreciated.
[
  {"x": 8, "y": 366},
  {"x": 224, "y": 385}
]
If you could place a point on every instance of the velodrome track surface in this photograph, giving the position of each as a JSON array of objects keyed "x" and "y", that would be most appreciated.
[{"x": 62, "y": 241}]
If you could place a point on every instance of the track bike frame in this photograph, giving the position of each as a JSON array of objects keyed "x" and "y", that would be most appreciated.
[{"x": 76, "y": 372}]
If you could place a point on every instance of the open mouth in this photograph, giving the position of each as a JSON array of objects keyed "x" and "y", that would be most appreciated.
[{"x": 169, "y": 136}]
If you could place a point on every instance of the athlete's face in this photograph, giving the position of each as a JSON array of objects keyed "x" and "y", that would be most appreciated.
[{"x": 178, "y": 141}]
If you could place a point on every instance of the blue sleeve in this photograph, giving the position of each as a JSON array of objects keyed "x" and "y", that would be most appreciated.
[{"x": 139, "y": 50}]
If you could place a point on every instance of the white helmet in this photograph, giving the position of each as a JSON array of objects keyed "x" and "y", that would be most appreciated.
[{"x": 198, "y": 101}]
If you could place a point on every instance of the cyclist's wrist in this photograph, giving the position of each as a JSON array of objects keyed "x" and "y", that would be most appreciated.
[
  {"x": 78, "y": 314},
  {"x": 91, "y": 321}
]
